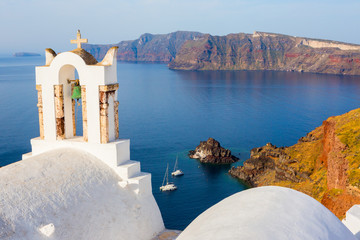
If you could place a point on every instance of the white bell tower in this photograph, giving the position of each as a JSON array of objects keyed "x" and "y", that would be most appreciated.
[
  {"x": 98, "y": 81},
  {"x": 55, "y": 84}
]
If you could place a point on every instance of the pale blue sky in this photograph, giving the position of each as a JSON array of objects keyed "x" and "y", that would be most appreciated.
[{"x": 33, "y": 25}]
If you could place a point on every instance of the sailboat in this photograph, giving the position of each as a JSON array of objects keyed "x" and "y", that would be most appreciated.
[
  {"x": 168, "y": 186},
  {"x": 176, "y": 172}
]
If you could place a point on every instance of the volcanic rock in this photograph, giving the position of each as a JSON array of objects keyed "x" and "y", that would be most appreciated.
[
  {"x": 210, "y": 151},
  {"x": 262, "y": 162},
  {"x": 268, "y": 51},
  {"x": 147, "y": 48}
]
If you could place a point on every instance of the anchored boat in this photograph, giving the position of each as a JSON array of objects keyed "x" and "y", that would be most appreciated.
[
  {"x": 177, "y": 172},
  {"x": 168, "y": 186}
]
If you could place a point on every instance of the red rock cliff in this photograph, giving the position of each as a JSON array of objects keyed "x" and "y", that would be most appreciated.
[
  {"x": 333, "y": 157},
  {"x": 324, "y": 164},
  {"x": 268, "y": 51}
]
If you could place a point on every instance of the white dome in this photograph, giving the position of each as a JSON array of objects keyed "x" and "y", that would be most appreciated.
[
  {"x": 70, "y": 194},
  {"x": 267, "y": 213}
]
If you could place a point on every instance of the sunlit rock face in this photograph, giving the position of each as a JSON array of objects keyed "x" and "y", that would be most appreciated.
[
  {"x": 268, "y": 51},
  {"x": 324, "y": 164}
]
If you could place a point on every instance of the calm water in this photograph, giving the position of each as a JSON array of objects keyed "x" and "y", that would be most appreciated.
[{"x": 166, "y": 113}]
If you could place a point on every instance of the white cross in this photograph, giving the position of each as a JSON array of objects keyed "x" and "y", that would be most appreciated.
[{"x": 78, "y": 40}]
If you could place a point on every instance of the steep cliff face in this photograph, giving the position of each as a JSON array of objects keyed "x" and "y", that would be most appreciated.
[
  {"x": 333, "y": 157},
  {"x": 147, "y": 48},
  {"x": 324, "y": 164},
  {"x": 264, "y": 51}
]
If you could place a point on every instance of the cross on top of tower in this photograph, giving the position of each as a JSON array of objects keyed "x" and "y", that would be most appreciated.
[{"x": 79, "y": 40}]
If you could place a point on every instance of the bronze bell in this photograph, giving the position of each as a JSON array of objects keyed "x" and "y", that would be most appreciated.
[{"x": 76, "y": 93}]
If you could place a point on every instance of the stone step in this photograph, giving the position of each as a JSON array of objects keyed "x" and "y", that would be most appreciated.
[
  {"x": 128, "y": 169},
  {"x": 26, "y": 155},
  {"x": 141, "y": 184}
]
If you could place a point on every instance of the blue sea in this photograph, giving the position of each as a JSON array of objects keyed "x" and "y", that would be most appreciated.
[{"x": 166, "y": 113}]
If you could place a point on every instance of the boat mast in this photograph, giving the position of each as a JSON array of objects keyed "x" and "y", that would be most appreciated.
[
  {"x": 166, "y": 173},
  {"x": 175, "y": 167}
]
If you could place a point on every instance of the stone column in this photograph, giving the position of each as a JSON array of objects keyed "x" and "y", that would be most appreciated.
[
  {"x": 104, "y": 92},
  {"x": 73, "y": 102},
  {"x": 84, "y": 113},
  {"x": 116, "y": 114},
  {"x": 40, "y": 108},
  {"x": 104, "y": 123},
  {"x": 59, "y": 111}
]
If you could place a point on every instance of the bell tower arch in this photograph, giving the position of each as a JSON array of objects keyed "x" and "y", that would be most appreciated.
[
  {"x": 67, "y": 94},
  {"x": 97, "y": 87}
]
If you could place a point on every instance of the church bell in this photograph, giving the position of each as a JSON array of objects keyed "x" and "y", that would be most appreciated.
[{"x": 76, "y": 92}]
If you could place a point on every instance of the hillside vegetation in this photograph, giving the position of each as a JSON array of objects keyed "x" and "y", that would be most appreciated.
[{"x": 324, "y": 164}]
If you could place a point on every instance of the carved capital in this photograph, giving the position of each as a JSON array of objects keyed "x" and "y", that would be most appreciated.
[{"x": 108, "y": 88}]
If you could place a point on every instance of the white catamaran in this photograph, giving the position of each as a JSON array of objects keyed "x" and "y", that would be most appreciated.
[
  {"x": 168, "y": 186},
  {"x": 176, "y": 172}
]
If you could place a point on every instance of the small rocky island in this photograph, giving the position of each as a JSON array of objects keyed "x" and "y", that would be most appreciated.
[
  {"x": 26, "y": 54},
  {"x": 210, "y": 151}
]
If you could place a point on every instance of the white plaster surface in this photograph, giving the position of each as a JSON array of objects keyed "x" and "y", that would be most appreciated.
[
  {"x": 352, "y": 220},
  {"x": 47, "y": 230},
  {"x": 70, "y": 194},
  {"x": 110, "y": 57},
  {"x": 113, "y": 154},
  {"x": 267, "y": 213},
  {"x": 129, "y": 169}
]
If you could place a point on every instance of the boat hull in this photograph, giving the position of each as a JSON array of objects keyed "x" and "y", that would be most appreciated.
[
  {"x": 168, "y": 187},
  {"x": 177, "y": 173}
]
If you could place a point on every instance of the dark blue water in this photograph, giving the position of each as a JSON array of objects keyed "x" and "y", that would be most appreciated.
[{"x": 166, "y": 113}]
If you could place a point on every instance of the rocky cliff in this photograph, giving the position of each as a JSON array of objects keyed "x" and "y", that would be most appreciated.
[
  {"x": 324, "y": 164},
  {"x": 210, "y": 151},
  {"x": 147, "y": 48},
  {"x": 268, "y": 51}
]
